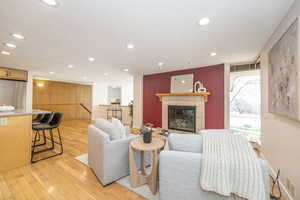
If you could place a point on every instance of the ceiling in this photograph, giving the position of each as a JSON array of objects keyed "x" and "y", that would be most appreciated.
[{"x": 162, "y": 31}]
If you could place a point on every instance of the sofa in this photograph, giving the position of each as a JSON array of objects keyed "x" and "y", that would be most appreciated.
[
  {"x": 216, "y": 131},
  {"x": 179, "y": 170}
]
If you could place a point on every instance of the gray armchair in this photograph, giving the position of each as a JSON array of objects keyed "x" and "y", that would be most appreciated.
[
  {"x": 179, "y": 170},
  {"x": 108, "y": 159}
]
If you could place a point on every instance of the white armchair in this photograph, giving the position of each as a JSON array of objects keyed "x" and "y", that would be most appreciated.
[{"x": 108, "y": 159}]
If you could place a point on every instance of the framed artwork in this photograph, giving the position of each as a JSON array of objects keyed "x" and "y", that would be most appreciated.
[
  {"x": 182, "y": 83},
  {"x": 284, "y": 75}
]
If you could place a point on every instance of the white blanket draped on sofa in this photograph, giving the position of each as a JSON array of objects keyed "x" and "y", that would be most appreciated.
[{"x": 230, "y": 166}]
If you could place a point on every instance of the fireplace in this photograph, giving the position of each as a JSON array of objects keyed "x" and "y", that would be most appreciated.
[{"x": 182, "y": 118}]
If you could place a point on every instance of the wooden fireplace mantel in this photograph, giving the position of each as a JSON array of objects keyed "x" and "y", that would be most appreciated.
[{"x": 204, "y": 94}]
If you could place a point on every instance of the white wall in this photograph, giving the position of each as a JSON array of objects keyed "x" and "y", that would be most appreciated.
[
  {"x": 227, "y": 96},
  {"x": 138, "y": 101},
  {"x": 29, "y": 89},
  {"x": 100, "y": 92},
  {"x": 280, "y": 136}
]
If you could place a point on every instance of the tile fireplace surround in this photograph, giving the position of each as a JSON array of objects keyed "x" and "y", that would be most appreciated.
[{"x": 197, "y": 101}]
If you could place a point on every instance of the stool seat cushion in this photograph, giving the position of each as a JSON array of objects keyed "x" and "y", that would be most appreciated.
[
  {"x": 35, "y": 123},
  {"x": 40, "y": 127}
]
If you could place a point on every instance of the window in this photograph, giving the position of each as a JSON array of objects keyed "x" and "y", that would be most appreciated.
[{"x": 245, "y": 104}]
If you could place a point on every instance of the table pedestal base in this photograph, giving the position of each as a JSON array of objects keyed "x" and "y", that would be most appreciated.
[{"x": 137, "y": 179}]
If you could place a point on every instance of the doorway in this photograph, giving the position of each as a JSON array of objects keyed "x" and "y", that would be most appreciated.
[{"x": 245, "y": 104}]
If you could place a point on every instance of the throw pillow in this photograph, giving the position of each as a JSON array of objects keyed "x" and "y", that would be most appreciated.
[
  {"x": 104, "y": 125},
  {"x": 111, "y": 129},
  {"x": 119, "y": 131}
]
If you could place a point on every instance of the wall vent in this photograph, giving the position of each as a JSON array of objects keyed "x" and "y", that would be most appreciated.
[{"x": 244, "y": 67}]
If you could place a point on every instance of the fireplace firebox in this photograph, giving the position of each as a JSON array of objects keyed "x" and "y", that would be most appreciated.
[{"x": 182, "y": 118}]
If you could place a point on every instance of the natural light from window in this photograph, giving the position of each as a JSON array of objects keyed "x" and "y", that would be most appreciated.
[{"x": 245, "y": 104}]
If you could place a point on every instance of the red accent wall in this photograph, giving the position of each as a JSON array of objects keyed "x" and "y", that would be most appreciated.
[{"x": 212, "y": 78}]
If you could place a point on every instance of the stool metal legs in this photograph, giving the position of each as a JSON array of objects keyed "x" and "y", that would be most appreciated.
[
  {"x": 39, "y": 139},
  {"x": 59, "y": 136},
  {"x": 53, "y": 142}
]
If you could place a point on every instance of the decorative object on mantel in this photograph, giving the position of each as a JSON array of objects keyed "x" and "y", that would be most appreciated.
[
  {"x": 146, "y": 131},
  {"x": 204, "y": 94},
  {"x": 284, "y": 75},
  {"x": 199, "y": 87}
]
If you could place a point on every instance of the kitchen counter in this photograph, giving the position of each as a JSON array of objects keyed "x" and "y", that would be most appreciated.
[
  {"x": 22, "y": 112},
  {"x": 15, "y": 138}
]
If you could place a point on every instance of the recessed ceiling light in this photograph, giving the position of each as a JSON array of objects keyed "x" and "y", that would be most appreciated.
[
  {"x": 105, "y": 74},
  {"x": 183, "y": 81},
  {"x": 160, "y": 64},
  {"x": 213, "y": 54},
  {"x": 125, "y": 70},
  {"x": 130, "y": 46},
  {"x": 10, "y": 45},
  {"x": 51, "y": 72},
  {"x": 5, "y": 53},
  {"x": 204, "y": 21},
  {"x": 52, "y": 3},
  {"x": 70, "y": 66},
  {"x": 18, "y": 36},
  {"x": 91, "y": 59}
]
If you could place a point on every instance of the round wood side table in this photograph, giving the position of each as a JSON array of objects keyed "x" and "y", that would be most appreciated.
[{"x": 137, "y": 179}]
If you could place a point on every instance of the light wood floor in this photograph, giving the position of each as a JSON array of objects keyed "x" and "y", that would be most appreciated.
[{"x": 62, "y": 177}]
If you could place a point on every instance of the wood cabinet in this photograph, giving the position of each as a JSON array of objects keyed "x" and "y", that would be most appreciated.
[
  {"x": 13, "y": 74},
  {"x": 15, "y": 142}
]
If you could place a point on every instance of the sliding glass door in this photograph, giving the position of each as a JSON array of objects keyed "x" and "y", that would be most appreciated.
[{"x": 245, "y": 104}]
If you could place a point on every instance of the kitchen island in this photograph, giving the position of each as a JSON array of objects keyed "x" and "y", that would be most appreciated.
[{"x": 15, "y": 138}]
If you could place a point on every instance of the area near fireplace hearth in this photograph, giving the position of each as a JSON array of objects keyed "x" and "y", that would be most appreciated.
[
  {"x": 212, "y": 78},
  {"x": 183, "y": 114}
]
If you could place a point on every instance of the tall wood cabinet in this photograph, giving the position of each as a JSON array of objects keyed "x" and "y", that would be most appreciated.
[{"x": 13, "y": 74}]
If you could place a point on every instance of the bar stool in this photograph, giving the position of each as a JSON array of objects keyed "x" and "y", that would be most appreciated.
[
  {"x": 53, "y": 124},
  {"x": 38, "y": 119},
  {"x": 42, "y": 118},
  {"x": 47, "y": 117}
]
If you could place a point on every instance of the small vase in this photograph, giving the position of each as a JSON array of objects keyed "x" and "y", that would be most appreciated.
[{"x": 147, "y": 137}]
